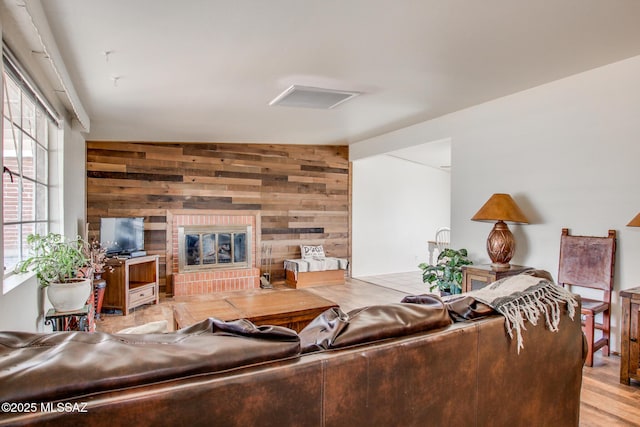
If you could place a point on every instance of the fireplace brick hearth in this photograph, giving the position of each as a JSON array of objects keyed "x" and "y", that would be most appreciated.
[{"x": 210, "y": 281}]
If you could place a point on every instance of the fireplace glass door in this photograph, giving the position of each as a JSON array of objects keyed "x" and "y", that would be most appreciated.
[{"x": 211, "y": 248}]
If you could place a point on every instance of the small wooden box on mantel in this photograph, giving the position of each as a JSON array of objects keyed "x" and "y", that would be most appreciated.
[{"x": 478, "y": 276}]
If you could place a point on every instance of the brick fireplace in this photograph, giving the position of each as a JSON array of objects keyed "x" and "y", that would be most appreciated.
[{"x": 215, "y": 279}]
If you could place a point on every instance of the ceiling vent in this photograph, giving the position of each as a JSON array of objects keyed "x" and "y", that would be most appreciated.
[{"x": 312, "y": 97}]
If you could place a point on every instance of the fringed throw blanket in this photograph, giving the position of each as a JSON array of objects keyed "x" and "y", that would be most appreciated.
[{"x": 524, "y": 297}]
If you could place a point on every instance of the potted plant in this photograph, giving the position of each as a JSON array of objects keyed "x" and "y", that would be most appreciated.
[
  {"x": 97, "y": 256},
  {"x": 446, "y": 275},
  {"x": 61, "y": 267}
]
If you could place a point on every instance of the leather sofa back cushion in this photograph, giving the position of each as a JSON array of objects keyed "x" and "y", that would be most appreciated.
[
  {"x": 44, "y": 367},
  {"x": 336, "y": 329}
]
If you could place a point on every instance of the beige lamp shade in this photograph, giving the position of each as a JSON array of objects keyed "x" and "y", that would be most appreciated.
[
  {"x": 635, "y": 222},
  {"x": 500, "y": 244},
  {"x": 500, "y": 207}
]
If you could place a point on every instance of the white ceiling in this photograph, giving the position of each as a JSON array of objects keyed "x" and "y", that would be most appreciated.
[{"x": 206, "y": 70}]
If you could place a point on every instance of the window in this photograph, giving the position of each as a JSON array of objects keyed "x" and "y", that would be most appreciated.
[{"x": 26, "y": 126}]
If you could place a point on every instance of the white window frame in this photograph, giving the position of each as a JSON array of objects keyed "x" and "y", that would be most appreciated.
[{"x": 44, "y": 143}]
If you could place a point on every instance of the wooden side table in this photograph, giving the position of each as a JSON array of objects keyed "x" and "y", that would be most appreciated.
[
  {"x": 81, "y": 320},
  {"x": 630, "y": 349},
  {"x": 132, "y": 283},
  {"x": 478, "y": 276}
]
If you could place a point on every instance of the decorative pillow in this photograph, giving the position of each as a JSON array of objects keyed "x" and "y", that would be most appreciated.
[{"x": 311, "y": 251}]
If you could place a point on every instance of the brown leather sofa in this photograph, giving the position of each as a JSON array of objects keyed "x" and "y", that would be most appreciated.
[{"x": 393, "y": 365}]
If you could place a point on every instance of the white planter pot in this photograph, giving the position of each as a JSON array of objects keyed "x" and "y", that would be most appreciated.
[{"x": 71, "y": 296}]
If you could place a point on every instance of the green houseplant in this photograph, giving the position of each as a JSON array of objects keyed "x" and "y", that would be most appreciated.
[
  {"x": 61, "y": 267},
  {"x": 446, "y": 275}
]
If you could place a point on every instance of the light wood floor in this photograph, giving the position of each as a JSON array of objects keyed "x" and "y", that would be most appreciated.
[{"x": 604, "y": 401}]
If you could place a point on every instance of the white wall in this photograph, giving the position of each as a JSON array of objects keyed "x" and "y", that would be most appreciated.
[
  {"x": 567, "y": 151},
  {"x": 74, "y": 183},
  {"x": 22, "y": 308},
  {"x": 397, "y": 207}
]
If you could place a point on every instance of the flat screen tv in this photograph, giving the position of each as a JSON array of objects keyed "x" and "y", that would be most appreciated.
[{"x": 122, "y": 235}]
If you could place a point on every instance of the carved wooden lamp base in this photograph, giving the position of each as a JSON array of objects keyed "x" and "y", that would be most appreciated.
[{"x": 500, "y": 245}]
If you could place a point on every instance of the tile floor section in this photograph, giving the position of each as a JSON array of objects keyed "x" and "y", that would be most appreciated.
[{"x": 409, "y": 282}]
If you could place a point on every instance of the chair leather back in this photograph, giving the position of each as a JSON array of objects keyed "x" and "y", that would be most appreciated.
[{"x": 587, "y": 261}]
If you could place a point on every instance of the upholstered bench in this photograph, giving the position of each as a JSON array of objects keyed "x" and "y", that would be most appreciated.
[{"x": 314, "y": 268}]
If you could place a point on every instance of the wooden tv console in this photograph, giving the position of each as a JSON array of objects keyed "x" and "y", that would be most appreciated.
[{"x": 133, "y": 282}]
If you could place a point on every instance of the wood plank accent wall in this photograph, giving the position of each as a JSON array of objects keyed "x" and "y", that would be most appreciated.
[{"x": 301, "y": 191}]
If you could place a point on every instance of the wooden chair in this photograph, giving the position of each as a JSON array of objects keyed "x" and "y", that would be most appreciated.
[
  {"x": 443, "y": 236},
  {"x": 587, "y": 262}
]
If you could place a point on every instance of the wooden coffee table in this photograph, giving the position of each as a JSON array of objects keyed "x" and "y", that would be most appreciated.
[{"x": 292, "y": 308}]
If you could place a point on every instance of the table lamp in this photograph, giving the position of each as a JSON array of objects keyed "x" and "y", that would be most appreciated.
[
  {"x": 635, "y": 222},
  {"x": 500, "y": 243}
]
